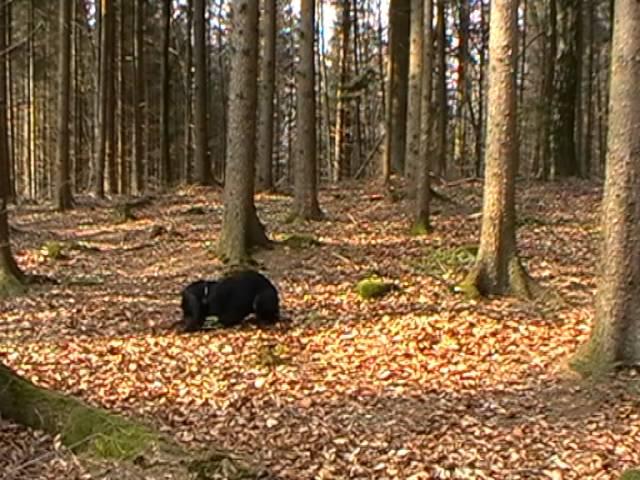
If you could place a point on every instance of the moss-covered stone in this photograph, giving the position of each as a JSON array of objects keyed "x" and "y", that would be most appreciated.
[{"x": 374, "y": 287}]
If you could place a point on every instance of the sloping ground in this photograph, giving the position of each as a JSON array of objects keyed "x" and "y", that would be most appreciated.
[{"x": 420, "y": 384}]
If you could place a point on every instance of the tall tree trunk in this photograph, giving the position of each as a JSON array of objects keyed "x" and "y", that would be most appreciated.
[
  {"x": 414, "y": 97},
  {"x": 266, "y": 97},
  {"x": 305, "y": 202},
  {"x": 441, "y": 91},
  {"x": 188, "y": 93},
  {"x": 548, "y": 89},
  {"x": 138, "y": 96},
  {"x": 102, "y": 103},
  {"x": 10, "y": 275},
  {"x": 63, "y": 200},
  {"x": 422, "y": 221},
  {"x": 615, "y": 338},
  {"x": 460, "y": 140},
  {"x": 565, "y": 162},
  {"x": 341, "y": 167},
  {"x": 397, "y": 92},
  {"x": 498, "y": 269},
  {"x": 241, "y": 228},
  {"x": 165, "y": 159},
  {"x": 202, "y": 174}
]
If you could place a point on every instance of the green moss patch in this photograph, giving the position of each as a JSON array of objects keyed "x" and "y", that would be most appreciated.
[
  {"x": 52, "y": 250},
  {"x": 374, "y": 287},
  {"x": 448, "y": 262}
]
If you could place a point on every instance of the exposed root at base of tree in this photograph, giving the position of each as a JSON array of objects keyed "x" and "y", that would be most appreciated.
[
  {"x": 305, "y": 215},
  {"x": 421, "y": 227},
  {"x": 519, "y": 282},
  {"x": 126, "y": 449},
  {"x": 10, "y": 284}
]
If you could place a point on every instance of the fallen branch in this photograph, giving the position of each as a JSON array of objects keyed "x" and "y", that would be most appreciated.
[{"x": 132, "y": 449}]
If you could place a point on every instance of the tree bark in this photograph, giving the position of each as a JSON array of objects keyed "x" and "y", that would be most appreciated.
[
  {"x": 63, "y": 199},
  {"x": 264, "y": 181},
  {"x": 341, "y": 167},
  {"x": 305, "y": 202},
  {"x": 414, "y": 97},
  {"x": 138, "y": 96},
  {"x": 165, "y": 158},
  {"x": 241, "y": 228},
  {"x": 202, "y": 174},
  {"x": 498, "y": 269},
  {"x": 422, "y": 221},
  {"x": 399, "y": 17},
  {"x": 11, "y": 278},
  {"x": 441, "y": 92},
  {"x": 615, "y": 338}
]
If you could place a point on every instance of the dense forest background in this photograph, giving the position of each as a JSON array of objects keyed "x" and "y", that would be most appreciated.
[{"x": 134, "y": 120}]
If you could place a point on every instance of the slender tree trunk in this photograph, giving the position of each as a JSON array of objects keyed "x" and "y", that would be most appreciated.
[
  {"x": 460, "y": 141},
  {"x": 422, "y": 221},
  {"x": 441, "y": 92},
  {"x": 241, "y": 228},
  {"x": 202, "y": 174},
  {"x": 615, "y": 338},
  {"x": 414, "y": 98},
  {"x": 63, "y": 200},
  {"x": 102, "y": 133},
  {"x": 11, "y": 278},
  {"x": 188, "y": 93},
  {"x": 548, "y": 89},
  {"x": 305, "y": 203},
  {"x": 341, "y": 167},
  {"x": 165, "y": 159},
  {"x": 139, "y": 105},
  {"x": 498, "y": 269},
  {"x": 565, "y": 162},
  {"x": 266, "y": 97},
  {"x": 399, "y": 69}
]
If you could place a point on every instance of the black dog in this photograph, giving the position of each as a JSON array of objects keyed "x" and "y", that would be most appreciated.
[{"x": 231, "y": 299}]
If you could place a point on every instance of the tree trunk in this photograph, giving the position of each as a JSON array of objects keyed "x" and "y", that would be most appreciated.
[
  {"x": 102, "y": 103},
  {"x": 202, "y": 160},
  {"x": 138, "y": 96},
  {"x": 11, "y": 278},
  {"x": 498, "y": 269},
  {"x": 441, "y": 92},
  {"x": 63, "y": 199},
  {"x": 241, "y": 228},
  {"x": 422, "y": 221},
  {"x": 399, "y": 13},
  {"x": 565, "y": 162},
  {"x": 305, "y": 202},
  {"x": 265, "y": 107},
  {"x": 615, "y": 338},
  {"x": 547, "y": 91},
  {"x": 341, "y": 167},
  {"x": 460, "y": 140},
  {"x": 414, "y": 98},
  {"x": 165, "y": 159}
]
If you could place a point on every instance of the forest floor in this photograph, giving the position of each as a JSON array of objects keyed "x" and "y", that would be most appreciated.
[{"x": 422, "y": 383}]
